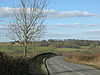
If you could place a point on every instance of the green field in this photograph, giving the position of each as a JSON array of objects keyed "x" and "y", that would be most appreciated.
[
  {"x": 19, "y": 49},
  {"x": 66, "y": 49},
  {"x": 82, "y": 48}
]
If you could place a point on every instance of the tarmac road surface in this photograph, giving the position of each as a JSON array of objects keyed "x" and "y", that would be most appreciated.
[{"x": 57, "y": 66}]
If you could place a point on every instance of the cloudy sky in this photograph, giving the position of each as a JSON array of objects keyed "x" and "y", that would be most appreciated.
[{"x": 66, "y": 19}]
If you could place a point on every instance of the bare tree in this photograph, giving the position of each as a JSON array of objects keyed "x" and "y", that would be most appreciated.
[{"x": 28, "y": 22}]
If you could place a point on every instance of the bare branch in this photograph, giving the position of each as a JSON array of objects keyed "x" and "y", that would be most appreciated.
[{"x": 28, "y": 22}]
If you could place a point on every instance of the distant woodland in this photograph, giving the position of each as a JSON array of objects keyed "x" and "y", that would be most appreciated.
[{"x": 67, "y": 43}]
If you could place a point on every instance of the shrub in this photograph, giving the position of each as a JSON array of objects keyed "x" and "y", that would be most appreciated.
[{"x": 18, "y": 66}]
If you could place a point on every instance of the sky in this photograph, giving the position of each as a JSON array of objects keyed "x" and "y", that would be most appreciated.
[{"x": 66, "y": 19}]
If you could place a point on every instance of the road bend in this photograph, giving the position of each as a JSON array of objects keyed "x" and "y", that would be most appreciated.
[{"x": 57, "y": 66}]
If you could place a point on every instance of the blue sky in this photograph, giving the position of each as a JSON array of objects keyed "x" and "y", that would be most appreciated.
[{"x": 66, "y": 19}]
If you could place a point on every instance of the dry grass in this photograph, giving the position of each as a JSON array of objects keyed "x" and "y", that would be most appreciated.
[{"x": 88, "y": 59}]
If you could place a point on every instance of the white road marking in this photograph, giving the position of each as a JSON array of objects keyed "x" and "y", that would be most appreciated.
[{"x": 69, "y": 68}]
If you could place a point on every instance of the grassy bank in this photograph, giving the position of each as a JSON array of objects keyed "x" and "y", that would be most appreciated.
[{"x": 88, "y": 59}]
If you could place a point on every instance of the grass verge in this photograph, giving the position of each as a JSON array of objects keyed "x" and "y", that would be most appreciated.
[{"x": 87, "y": 59}]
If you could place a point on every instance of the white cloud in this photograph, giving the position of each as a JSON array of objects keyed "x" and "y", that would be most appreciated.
[
  {"x": 95, "y": 30},
  {"x": 70, "y": 24},
  {"x": 58, "y": 34},
  {"x": 92, "y": 24},
  {"x": 76, "y": 24},
  {"x": 92, "y": 34},
  {"x": 6, "y": 12},
  {"x": 4, "y": 26},
  {"x": 51, "y": 14}
]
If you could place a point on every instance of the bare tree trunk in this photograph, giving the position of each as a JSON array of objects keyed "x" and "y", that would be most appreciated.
[
  {"x": 25, "y": 49},
  {"x": 28, "y": 23},
  {"x": 34, "y": 48}
]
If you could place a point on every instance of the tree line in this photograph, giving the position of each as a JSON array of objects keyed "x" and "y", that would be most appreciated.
[{"x": 67, "y": 43}]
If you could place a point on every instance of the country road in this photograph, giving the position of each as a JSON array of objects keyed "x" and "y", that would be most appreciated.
[{"x": 57, "y": 66}]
